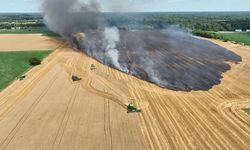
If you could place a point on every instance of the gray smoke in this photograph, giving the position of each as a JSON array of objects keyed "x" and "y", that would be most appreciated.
[
  {"x": 67, "y": 17},
  {"x": 170, "y": 58},
  {"x": 73, "y": 19}
]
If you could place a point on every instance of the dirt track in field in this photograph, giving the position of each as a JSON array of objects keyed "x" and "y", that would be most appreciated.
[
  {"x": 48, "y": 111},
  {"x": 21, "y": 42}
]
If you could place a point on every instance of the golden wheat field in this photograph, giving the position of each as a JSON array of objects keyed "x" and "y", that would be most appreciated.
[
  {"x": 27, "y": 42},
  {"x": 48, "y": 110}
]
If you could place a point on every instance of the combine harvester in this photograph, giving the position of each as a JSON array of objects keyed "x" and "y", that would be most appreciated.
[
  {"x": 92, "y": 67},
  {"x": 132, "y": 109},
  {"x": 76, "y": 78},
  {"x": 22, "y": 77}
]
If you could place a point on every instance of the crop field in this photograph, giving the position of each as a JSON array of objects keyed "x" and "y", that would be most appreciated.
[
  {"x": 237, "y": 37},
  {"x": 247, "y": 111},
  {"x": 13, "y": 64},
  {"x": 47, "y": 110},
  {"x": 23, "y": 31},
  {"x": 27, "y": 42},
  {"x": 43, "y": 31}
]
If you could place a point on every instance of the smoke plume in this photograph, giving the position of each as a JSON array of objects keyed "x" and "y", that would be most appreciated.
[
  {"x": 112, "y": 37},
  {"x": 67, "y": 17},
  {"x": 170, "y": 58}
]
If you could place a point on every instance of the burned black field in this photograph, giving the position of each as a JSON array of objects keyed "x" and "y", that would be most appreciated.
[{"x": 172, "y": 59}]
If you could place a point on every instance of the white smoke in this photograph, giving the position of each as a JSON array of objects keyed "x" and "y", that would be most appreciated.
[{"x": 112, "y": 37}]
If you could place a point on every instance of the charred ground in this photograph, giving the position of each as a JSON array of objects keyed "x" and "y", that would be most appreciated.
[{"x": 172, "y": 59}]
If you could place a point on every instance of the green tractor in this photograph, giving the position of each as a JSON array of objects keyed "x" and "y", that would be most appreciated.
[
  {"x": 131, "y": 108},
  {"x": 76, "y": 78}
]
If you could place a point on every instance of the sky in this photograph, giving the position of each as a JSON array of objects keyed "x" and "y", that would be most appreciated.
[{"x": 141, "y": 5}]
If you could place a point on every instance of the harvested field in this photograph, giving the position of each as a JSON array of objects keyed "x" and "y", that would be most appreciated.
[
  {"x": 14, "y": 64},
  {"x": 21, "y": 42},
  {"x": 49, "y": 111}
]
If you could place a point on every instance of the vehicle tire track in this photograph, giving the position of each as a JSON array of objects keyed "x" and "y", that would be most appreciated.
[
  {"x": 59, "y": 135},
  {"x": 13, "y": 132},
  {"x": 107, "y": 125},
  {"x": 16, "y": 99},
  {"x": 51, "y": 56}
]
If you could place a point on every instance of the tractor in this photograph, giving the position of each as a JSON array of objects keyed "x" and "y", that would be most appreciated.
[{"x": 131, "y": 108}]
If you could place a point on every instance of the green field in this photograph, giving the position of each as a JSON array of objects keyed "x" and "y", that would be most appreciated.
[
  {"x": 43, "y": 31},
  {"x": 14, "y": 64},
  {"x": 247, "y": 111},
  {"x": 236, "y": 37}
]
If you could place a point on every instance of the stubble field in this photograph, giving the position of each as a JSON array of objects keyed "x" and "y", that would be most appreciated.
[{"x": 49, "y": 111}]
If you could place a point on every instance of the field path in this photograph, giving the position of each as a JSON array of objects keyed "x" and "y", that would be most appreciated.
[{"x": 49, "y": 111}]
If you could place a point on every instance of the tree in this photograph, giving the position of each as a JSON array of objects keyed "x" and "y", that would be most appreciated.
[{"x": 34, "y": 61}]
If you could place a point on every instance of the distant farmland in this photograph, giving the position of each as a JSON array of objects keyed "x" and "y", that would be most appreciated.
[
  {"x": 43, "y": 31},
  {"x": 237, "y": 37},
  {"x": 13, "y": 64}
]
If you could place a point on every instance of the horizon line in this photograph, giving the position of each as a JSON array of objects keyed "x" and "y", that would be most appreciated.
[{"x": 140, "y": 12}]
